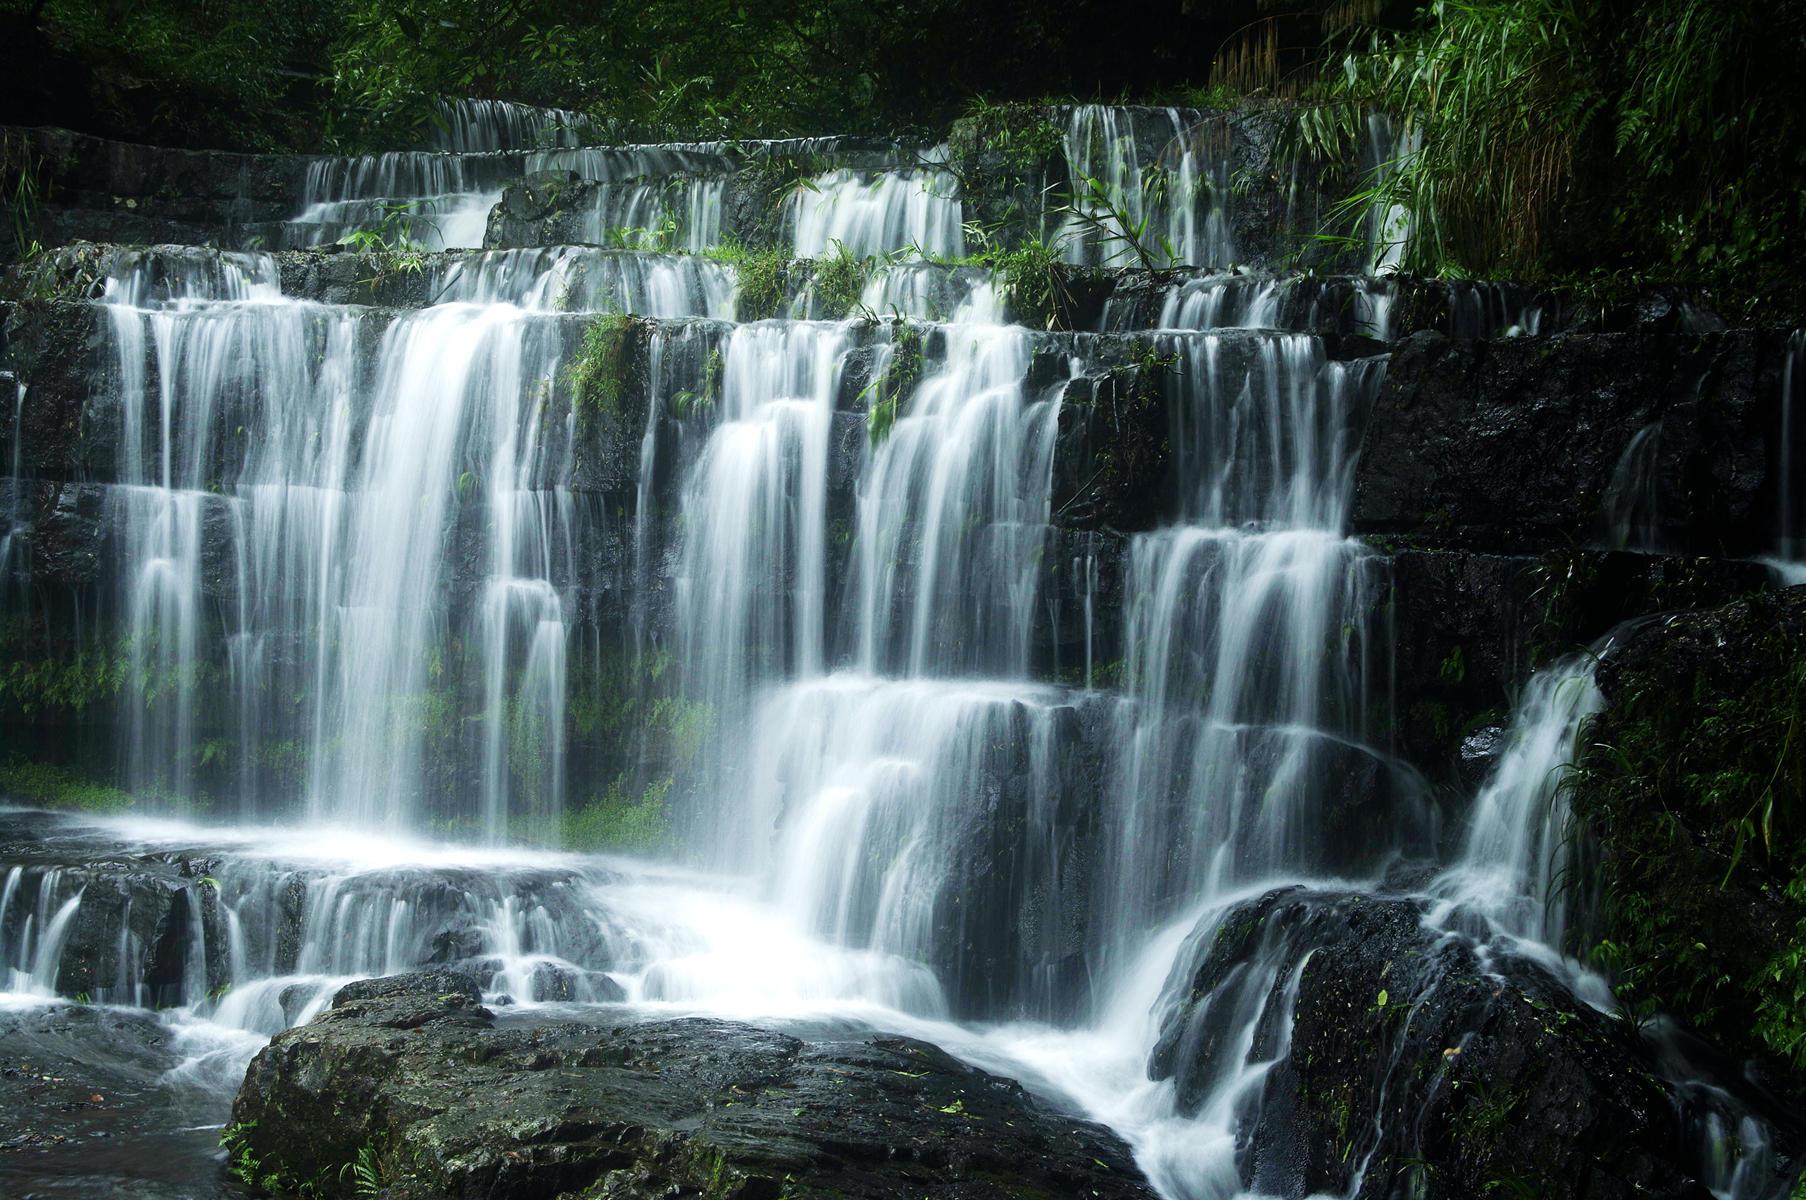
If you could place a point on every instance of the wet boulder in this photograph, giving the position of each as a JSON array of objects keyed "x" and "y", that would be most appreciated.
[
  {"x": 1691, "y": 791},
  {"x": 643, "y": 1110},
  {"x": 1405, "y": 1060}
]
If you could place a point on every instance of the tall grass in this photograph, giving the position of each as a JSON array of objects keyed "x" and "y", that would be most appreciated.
[{"x": 1557, "y": 137}]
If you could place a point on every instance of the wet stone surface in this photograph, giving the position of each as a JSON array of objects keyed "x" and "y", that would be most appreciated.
[
  {"x": 457, "y": 1102},
  {"x": 98, "y": 1102}
]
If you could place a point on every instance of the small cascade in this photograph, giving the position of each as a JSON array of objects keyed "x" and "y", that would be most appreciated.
[
  {"x": 872, "y": 784},
  {"x": 677, "y": 212},
  {"x": 15, "y": 566},
  {"x": 1389, "y": 145},
  {"x": 867, "y": 215},
  {"x": 1511, "y": 870},
  {"x": 953, "y": 512},
  {"x": 437, "y": 201},
  {"x": 753, "y": 582},
  {"x": 1174, "y": 200},
  {"x": 1633, "y": 518},
  {"x": 472, "y": 126},
  {"x": 34, "y": 929},
  {"x": 581, "y": 279},
  {"x": 923, "y": 291},
  {"x": 1224, "y": 302},
  {"x": 1790, "y": 497}
]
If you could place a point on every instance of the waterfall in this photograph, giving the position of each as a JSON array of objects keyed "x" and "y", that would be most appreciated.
[
  {"x": 1512, "y": 866},
  {"x": 753, "y": 581},
  {"x": 776, "y": 672},
  {"x": 1791, "y": 503},
  {"x": 471, "y": 126},
  {"x": 435, "y": 200},
  {"x": 1173, "y": 201},
  {"x": 880, "y": 214}
]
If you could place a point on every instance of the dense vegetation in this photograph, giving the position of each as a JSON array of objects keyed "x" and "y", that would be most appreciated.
[
  {"x": 1560, "y": 140},
  {"x": 1694, "y": 783},
  {"x": 1563, "y": 139}
]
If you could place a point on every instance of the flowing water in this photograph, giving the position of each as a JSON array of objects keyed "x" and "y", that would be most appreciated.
[{"x": 377, "y": 573}]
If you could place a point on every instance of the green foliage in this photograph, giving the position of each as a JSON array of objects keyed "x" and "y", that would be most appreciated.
[
  {"x": 1020, "y": 134},
  {"x": 367, "y": 1175},
  {"x": 1105, "y": 220},
  {"x": 661, "y": 238},
  {"x": 19, "y": 169},
  {"x": 92, "y": 676},
  {"x": 839, "y": 281},
  {"x": 597, "y": 376},
  {"x": 1781, "y": 1008},
  {"x": 1031, "y": 273},
  {"x": 225, "y": 73},
  {"x": 687, "y": 403},
  {"x": 52, "y": 786},
  {"x": 761, "y": 275},
  {"x": 395, "y": 231},
  {"x": 902, "y": 371},
  {"x": 1560, "y": 137},
  {"x": 1696, "y": 787},
  {"x": 617, "y": 820}
]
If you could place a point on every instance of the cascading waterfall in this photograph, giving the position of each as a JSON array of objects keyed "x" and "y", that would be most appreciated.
[
  {"x": 337, "y": 518},
  {"x": 1511, "y": 869},
  {"x": 878, "y": 214},
  {"x": 953, "y": 511},
  {"x": 1249, "y": 665},
  {"x": 375, "y": 559},
  {"x": 753, "y": 582},
  {"x": 1174, "y": 202},
  {"x": 439, "y": 201},
  {"x": 581, "y": 279},
  {"x": 473, "y": 126}
]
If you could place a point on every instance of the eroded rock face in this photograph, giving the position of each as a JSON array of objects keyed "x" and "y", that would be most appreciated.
[
  {"x": 1535, "y": 443},
  {"x": 1409, "y": 1064},
  {"x": 458, "y": 1103},
  {"x": 1699, "y": 728}
]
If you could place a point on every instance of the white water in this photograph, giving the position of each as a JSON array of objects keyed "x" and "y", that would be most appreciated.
[
  {"x": 878, "y": 214},
  {"x": 1164, "y": 189}
]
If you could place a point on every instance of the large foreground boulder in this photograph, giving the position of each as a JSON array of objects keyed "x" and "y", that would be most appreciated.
[{"x": 412, "y": 1086}]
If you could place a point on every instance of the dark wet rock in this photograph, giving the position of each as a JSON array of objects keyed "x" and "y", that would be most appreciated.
[
  {"x": 1479, "y": 756},
  {"x": 561, "y": 983},
  {"x": 1112, "y": 454},
  {"x": 113, "y": 191},
  {"x": 1409, "y": 1064},
  {"x": 1527, "y": 443},
  {"x": 1467, "y": 628},
  {"x": 130, "y": 936},
  {"x": 1690, "y": 791},
  {"x": 669, "y": 1107}
]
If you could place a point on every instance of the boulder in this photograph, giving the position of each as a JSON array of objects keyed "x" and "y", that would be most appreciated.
[
  {"x": 1406, "y": 1060},
  {"x": 443, "y": 1098}
]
